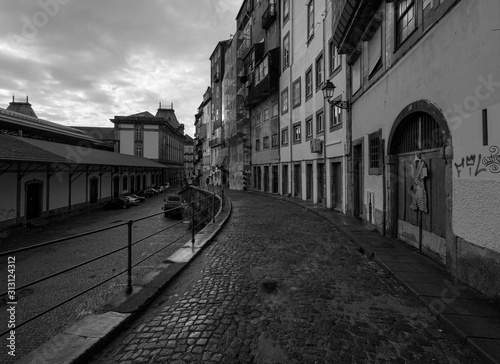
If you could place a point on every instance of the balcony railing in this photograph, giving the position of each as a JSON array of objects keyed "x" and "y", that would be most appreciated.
[
  {"x": 269, "y": 16},
  {"x": 214, "y": 143}
]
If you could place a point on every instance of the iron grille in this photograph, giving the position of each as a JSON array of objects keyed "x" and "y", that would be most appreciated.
[{"x": 418, "y": 131}]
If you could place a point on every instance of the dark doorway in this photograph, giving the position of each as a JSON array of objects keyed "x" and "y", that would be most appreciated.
[
  {"x": 321, "y": 181},
  {"x": 138, "y": 182},
  {"x": 309, "y": 179},
  {"x": 275, "y": 179},
  {"x": 94, "y": 190},
  {"x": 34, "y": 191},
  {"x": 266, "y": 178},
  {"x": 132, "y": 184},
  {"x": 358, "y": 180},
  {"x": 336, "y": 185},
  {"x": 284, "y": 180},
  {"x": 297, "y": 177},
  {"x": 116, "y": 186}
]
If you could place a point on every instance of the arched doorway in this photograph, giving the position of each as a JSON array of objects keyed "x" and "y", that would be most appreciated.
[
  {"x": 417, "y": 179},
  {"x": 116, "y": 187},
  {"x": 34, "y": 199}
]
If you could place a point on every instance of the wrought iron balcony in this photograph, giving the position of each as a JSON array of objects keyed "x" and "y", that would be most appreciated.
[{"x": 214, "y": 142}]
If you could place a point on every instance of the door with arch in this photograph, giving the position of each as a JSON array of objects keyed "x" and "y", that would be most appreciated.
[
  {"x": 421, "y": 196},
  {"x": 94, "y": 190},
  {"x": 34, "y": 199}
]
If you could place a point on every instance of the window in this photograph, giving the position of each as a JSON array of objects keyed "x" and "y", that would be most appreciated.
[
  {"x": 319, "y": 71},
  {"x": 138, "y": 150},
  {"x": 309, "y": 83},
  {"x": 125, "y": 183},
  {"x": 309, "y": 128},
  {"x": 138, "y": 134},
  {"x": 335, "y": 116},
  {"x": 275, "y": 110},
  {"x": 274, "y": 140},
  {"x": 284, "y": 136},
  {"x": 335, "y": 57},
  {"x": 257, "y": 117},
  {"x": 405, "y": 20},
  {"x": 286, "y": 10},
  {"x": 310, "y": 19},
  {"x": 286, "y": 50},
  {"x": 265, "y": 142},
  {"x": 266, "y": 114},
  {"x": 296, "y": 93},
  {"x": 257, "y": 144},
  {"x": 320, "y": 124},
  {"x": 296, "y": 132},
  {"x": 261, "y": 71},
  {"x": 375, "y": 151},
  {"x": 356, "y": 75},
  {"x": 284, "y": 101}
]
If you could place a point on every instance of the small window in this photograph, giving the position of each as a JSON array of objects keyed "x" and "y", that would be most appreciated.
[
  {"x": 375, "y": 153},
  {"x": 286, "y": 50},
  {"x": 138, "y": 150},
  {"x": 274, "y": 140},
  {"x": 138, "y": 134},
  {"x": 335, "y": 57},
  {"x": 284, "y": 101},
  {"x": 257, "y": 144},
  {"x": 265, "y": 142},
  {"x": 286, "y": 10},
  {"x": 405, "y": 20},
  {"x": 310, "y": 19},
  {"x": 284, "y": 136},
  {"x": 266, "y": 114},
  {"x": 257, "y": 117},
  {"x": 320, "y": 124},
  {"x": 309, "y": 83},
  {"x": 319, "y": 71},
  {"x": 297, "y": 133},
  {"x": 309, "y": 128},
  {"x": 335, "y": 116},
  {"x": 296, "y": 99},
  {"x": 275, "y": 110}
]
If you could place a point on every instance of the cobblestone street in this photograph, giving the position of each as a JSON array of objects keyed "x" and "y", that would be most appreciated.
[{"x": 280, "y": 285}]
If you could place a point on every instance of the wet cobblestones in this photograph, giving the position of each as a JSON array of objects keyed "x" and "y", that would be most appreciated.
[{"x": 280, "y": 285}]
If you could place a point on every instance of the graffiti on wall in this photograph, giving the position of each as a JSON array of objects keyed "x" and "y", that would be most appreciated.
[
  {"x": 475, "y": 164},
  {"x": 8, "y": 213}
]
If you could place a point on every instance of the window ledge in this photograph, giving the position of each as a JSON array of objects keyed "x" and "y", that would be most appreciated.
[{"x": 336, "y": 127}]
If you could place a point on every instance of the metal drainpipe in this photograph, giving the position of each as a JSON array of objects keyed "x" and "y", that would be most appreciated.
[
  {"x": 324, "y": 113},
  {"x": 290, "y": 129}
]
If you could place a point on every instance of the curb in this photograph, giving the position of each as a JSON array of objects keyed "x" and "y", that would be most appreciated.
[{"x": 78, "y": 343}]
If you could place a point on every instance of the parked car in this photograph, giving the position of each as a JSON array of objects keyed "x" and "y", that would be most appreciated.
[
  {"x": 117, "y": 203},
  {"x": 146, "y": 193},
  {"x": 133, "y": 201},
  {"x": 173, "y": 206},
  {"x": 138, "y": 198},
  {"x": 155, "y": 191}
]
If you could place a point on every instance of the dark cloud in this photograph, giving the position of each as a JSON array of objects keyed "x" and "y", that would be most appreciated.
[{"x": 100, "y": 58}]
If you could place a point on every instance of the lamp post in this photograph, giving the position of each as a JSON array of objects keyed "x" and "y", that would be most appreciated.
[{"x": 328, "y": 91}]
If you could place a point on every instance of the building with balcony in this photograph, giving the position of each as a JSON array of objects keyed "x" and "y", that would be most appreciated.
[
  {"x": 189, "y": 173},
  {"x": 218, "y": 173},
  {"x": 158, "y": 137},
  {"x": 425, "y": 141},
  {"x": 202, "y": 163}
]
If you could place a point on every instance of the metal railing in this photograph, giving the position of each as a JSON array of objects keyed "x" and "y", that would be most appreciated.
[{"x": 206, "y": 206}]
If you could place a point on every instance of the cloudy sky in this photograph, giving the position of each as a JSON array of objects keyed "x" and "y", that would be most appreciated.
[{"x": 84, "y": 61}]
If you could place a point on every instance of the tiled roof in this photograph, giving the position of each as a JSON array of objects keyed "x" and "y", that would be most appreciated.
[{"x": 25, "y": 149}]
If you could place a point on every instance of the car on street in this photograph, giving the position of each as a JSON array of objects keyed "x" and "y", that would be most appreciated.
[
  {"x": 138, "y": 198},
  {"x": 173, "y": 206},
  {"x": 146, "y": 193},
  {"x": 154, "y": 190},
  {"x": 117, "y": 203},
  {"x": 133, "y": 201}
]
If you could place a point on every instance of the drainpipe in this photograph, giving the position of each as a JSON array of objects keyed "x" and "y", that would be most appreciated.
[
  {"x": 324, "y": 112},
  {"x": 384, "y": 187},
  {"x": 290, "y": 129}
]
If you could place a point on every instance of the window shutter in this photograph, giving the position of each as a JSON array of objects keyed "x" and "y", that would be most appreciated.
[{"x": 374, "y": 50}]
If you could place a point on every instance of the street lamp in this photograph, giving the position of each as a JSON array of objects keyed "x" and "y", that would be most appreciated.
[{"x": 328, "y": 90}]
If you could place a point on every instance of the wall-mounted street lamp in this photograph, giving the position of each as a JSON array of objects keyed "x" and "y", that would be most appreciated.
[{"x": 328, "y": 90}]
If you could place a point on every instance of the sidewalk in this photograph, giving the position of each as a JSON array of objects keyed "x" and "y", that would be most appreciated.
[{"x": 466, "y": 312}]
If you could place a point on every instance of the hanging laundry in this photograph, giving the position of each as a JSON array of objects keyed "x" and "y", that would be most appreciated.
[{"x": 419, "y": 172}]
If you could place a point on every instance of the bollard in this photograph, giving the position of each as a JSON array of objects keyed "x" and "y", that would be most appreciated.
[
  {"x": 129, "y": 263},
  {"x": 192, "y": 224}
]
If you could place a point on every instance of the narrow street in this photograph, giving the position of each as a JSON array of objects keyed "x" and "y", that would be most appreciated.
[
  {"x": 281, "y": 285},
  {"x": 44, "y": 261}
]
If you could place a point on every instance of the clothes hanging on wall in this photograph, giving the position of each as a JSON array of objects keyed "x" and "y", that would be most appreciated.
[{"x": 419, "y": 172}]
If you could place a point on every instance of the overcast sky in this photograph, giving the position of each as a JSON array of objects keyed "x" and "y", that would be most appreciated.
[{"x": 84, "y": 61}]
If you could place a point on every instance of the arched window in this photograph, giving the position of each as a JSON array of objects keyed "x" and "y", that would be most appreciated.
[{"x": 417, "y": 132}]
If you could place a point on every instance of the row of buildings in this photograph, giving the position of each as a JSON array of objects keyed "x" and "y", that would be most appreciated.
[
  {"x": 387, "y": 110},
  {"x": 48, "y": 170}
]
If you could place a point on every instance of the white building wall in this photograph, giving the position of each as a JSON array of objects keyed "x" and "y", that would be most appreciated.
[
  {"x": 59, "y": 190},
  {"x": 126, "y": 137},
  {"x": 151, "y": 142}
]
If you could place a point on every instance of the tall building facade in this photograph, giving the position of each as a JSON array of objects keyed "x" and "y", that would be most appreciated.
[{"x": 425, "y": 141}]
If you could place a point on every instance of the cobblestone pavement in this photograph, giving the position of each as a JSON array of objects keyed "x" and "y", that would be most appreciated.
[
  {"x": 280, "y": 285},
  {"x": 42, "y": 262}
]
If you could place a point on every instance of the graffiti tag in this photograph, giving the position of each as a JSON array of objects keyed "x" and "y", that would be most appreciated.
[
  {"x": 493, "y": 161},
  {"x": 470, "y": 161}
]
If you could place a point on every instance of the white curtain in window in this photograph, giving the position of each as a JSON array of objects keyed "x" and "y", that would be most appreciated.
[
  {"x": 374, "y": 50},
  {"x": 356, "y": 75}
]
